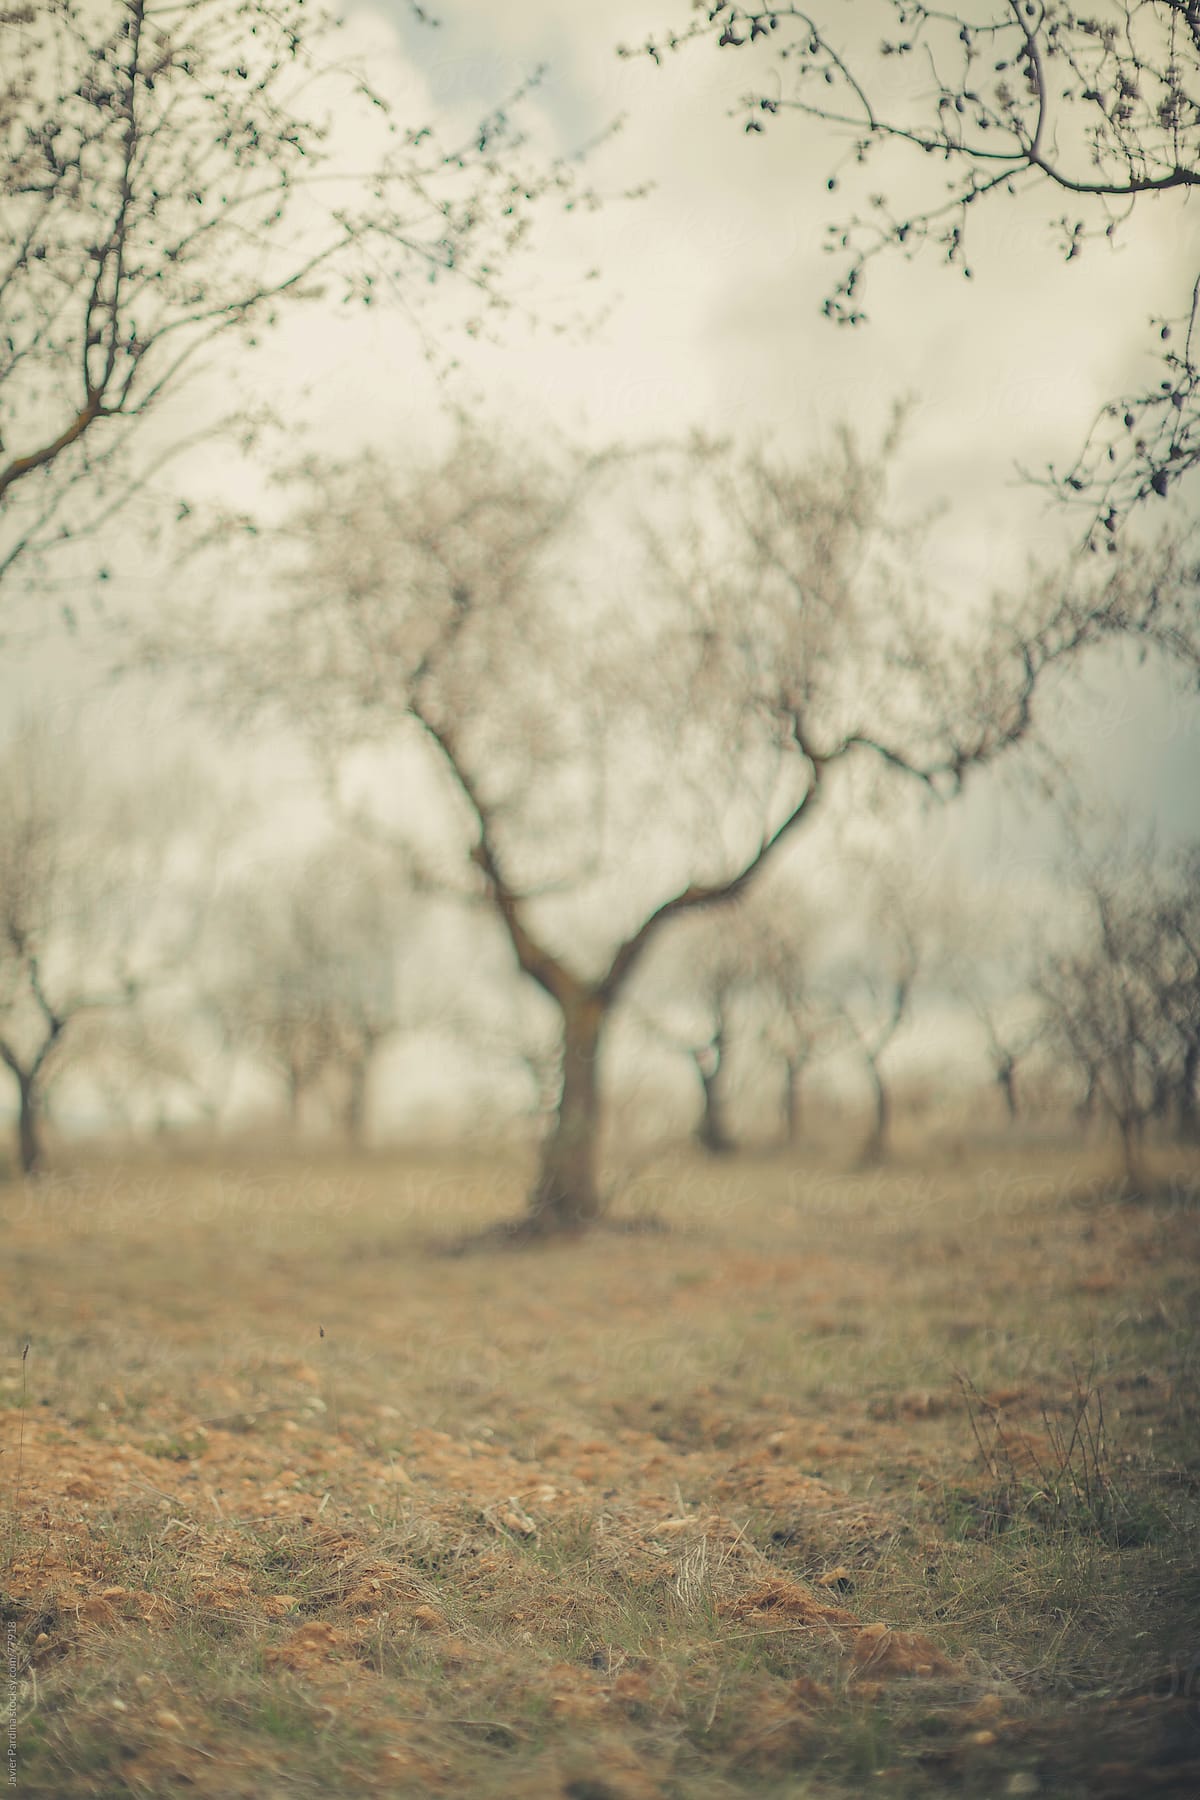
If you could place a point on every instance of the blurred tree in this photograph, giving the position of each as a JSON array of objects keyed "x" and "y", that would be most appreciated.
[
  {"x": 177, "y": 175},
  {"x": 628, "y": 682},
  {"x": 1010, "y": 1038},
  {"x": 742, "y": 973},
  {"x": 688, "y": 999},
  {"x": 1102, "y": 1013},
  {"x": 1176, "y": 914},
  {"x": 506, "y": 1028},
  {"x": 799, "y": 1024},
  {"x": 1122, "y": 998},
  {"x": 92, "y": 911},
  {"x": 152, "y": 1065},
  {"x": 1099, "y": 108},
  {"x": 307, "y": 979},
  {"x": 872, "y": 990},
  {"x": 983, "y": 958}
]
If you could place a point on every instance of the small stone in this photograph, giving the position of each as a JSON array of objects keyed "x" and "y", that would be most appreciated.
[{"x": 170, "y": 1721}]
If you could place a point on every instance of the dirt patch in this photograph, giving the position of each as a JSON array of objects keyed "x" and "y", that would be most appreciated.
[{"x": 646, "y": 1515}]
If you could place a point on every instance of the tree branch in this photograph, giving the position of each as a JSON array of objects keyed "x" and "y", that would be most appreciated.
[
  {"x": 535, "y": 961},
  {"x": 698, "y": 894}
]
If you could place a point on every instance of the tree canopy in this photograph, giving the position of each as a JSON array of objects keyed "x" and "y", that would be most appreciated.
[
  {"x": 176, "y": 174},
  {"x": 595, "y": 693}
]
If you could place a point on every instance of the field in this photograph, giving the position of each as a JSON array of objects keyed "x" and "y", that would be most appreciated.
[{"x": 786, "y": 1483}]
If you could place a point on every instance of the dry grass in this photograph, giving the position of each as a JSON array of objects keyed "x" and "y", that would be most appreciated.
[{"x": 839, "y": 1483}]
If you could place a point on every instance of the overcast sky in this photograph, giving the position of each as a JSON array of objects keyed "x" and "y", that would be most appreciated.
[
  {"x": 713, "y": 286},
  {"x": 715, "y": 282},
  {"x": 719, "y": 274}
]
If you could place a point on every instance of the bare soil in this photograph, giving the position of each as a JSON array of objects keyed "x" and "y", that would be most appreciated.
[{"x": 830, "y": 1484}]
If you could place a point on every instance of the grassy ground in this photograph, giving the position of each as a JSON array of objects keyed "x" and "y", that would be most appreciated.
[{"x": 838, "y": 1485}]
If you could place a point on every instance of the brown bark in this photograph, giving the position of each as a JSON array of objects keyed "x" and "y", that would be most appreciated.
[
  {"x": 876, "y": 1148},
  {"x": 1006, "y": 1081},
  {"x": 354, "y": 1112},
  {"x": 712, "y": 1133},
  {"x": 29, "y": 1136},
  {"x": 793, "y": 1073},
  {"x": 28, "y": 1078},
  {"x": 565, "y": 1196},
  {"x": 1129, "y": 1128}
]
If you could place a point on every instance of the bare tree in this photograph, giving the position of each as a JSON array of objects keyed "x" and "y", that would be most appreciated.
[
  {"x": 89, "y": 913},
  {"x": 152, "y": 1065},
  {"x": 741, "y": 973},
  {"x": 1009, "y": 1042},
  {"x": 307, "y": 978},
  {"x": 1099, "y": 1022},
  {"x": 175, "y": 180},
  {"x": 264, "y": 999},
  {"x": 872, "y": 993},
  {"x": 982, "y": 958},
  {"x": 1109, "y": 996},
  {"x": 689, "y": 999},
  {"x": 1098, "y": 109},
  {"x": 798, "y": 1023},
  {"x": 1175, "y": 911},
  {"x": 623, "y": 722}
]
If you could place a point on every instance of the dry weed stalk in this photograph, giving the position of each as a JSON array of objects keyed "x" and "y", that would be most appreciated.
[{"x": 1061, "y": 1482}]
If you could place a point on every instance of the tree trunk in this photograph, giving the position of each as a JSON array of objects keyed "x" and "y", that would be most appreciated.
[
  {"x": 29, "y": 1136},
  {"x": 1085, "y": 1112},
  {"x": 712, "y": 1133},
  {"x": 1130, "y": 1128},
  {"x": 354, "y": 1112},
  {"x": 1006, "y": 1080},
  {"x": 875, "y": 1149},
  {"x": 792, "y": 1073},
  {"x": 565, "y": 1196},
  {"x": 295, "y": 1087}
]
